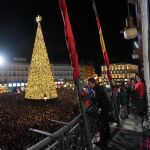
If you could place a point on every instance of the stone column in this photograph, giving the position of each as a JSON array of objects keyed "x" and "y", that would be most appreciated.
[{"x": 146, "y": 47}]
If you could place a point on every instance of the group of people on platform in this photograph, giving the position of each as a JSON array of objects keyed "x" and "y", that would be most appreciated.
[{"x": 129, "y": 97}]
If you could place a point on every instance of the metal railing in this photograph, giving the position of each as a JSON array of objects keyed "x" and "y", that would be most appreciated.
[{"x": 69, "y": 137}]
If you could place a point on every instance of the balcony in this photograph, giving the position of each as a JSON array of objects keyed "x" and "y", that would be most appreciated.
[{"x": 69, "y": 137}]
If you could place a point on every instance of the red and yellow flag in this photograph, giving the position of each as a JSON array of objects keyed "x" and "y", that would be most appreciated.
[
  {"x": 70, "y": 40},
  {"x": 105, "y": 55}
]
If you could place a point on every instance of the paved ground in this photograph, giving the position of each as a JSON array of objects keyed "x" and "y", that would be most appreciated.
[
  {"x": 128, "y": 137},
  {"x": 133, "y": 123}
]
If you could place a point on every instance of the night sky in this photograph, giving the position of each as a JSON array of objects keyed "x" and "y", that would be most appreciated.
[{"x": 18, "y": 29}]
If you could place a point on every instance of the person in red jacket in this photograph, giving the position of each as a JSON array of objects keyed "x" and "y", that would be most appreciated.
[
  {"x": 140, "y": 87},
  {"x": 140, "y": 91},
  {"x": 84, "y": 93}
]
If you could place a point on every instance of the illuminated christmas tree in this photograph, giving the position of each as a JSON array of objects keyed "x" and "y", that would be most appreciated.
[{"x": 40, "y": 83}]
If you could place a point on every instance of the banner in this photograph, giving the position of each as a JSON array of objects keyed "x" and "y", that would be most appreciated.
[
  {"x": 105, "y": 55},
  {"x": 70, "y": 40}
]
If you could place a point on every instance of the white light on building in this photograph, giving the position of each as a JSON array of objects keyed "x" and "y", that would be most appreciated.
[
  {"x": 22, "y": 84},
  {"x": 18, "y": 84},
  {"x": 22, "y": 88},
  {"x": 14, "y": 84},
  {"x": 45, "y": 98},
  {"x": 136, "y": 44},
  {"x": 107, "y": 86},
  {"x": 135, "y": 56},
  {"x": 10, "y": 85}
]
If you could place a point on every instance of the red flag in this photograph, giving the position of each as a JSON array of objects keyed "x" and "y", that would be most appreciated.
[
  {"x": 70, "y": 40},
  {"x": 105, "y": 55}
]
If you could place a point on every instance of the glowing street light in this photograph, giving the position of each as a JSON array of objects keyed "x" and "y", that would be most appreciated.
[{"x": 1, "y": 60}]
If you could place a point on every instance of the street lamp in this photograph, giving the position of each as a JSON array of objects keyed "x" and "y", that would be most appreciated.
[{"x": 130, "y": 31}]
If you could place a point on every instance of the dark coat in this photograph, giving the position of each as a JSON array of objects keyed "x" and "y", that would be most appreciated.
[
  {"x": 122, "y": 98},
  {"x": 102, "y": 100}
]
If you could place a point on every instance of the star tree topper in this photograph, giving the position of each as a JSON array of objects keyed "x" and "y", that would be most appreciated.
[{"x": 38, "y": 19}]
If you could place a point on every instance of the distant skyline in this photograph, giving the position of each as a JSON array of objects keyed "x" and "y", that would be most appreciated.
[{"x": 18, "y": 29}]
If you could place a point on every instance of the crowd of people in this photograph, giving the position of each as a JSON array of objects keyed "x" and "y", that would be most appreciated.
[
  {"x": 18, "y": 115},
  {"x": 131, "y": 97}
]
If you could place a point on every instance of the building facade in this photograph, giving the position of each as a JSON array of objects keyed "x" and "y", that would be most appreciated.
[
  {"x": 87, "y": 71},
  {"x": 62, "y": 72},
  {"x": 15, "y": 73},
  {"x": 119, "y": 72}
]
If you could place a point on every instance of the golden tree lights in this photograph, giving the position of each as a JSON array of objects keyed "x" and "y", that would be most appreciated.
[{"x": 40, "y": 80}]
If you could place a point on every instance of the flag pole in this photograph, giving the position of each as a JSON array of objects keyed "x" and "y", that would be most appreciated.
[
  {"x": 106, "y": 60},
  {"x": 76, "y": 73},
  {"x": 84, "y": 115}
]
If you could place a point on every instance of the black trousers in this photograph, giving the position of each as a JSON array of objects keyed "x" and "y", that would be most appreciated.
[{"x": 104, "y": 127}]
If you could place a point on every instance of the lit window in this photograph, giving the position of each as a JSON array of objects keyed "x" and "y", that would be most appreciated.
[
  {"x": 10, "y": 85},
  {"x": 14, "y": 84},
  {"x": 22, "y": 84},
  {"x": 18, "y": 84}
]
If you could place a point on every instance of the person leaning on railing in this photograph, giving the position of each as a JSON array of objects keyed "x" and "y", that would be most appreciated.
[
  {"x": 101, "y": 100},
  {"x": 86, "y": 96}
]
